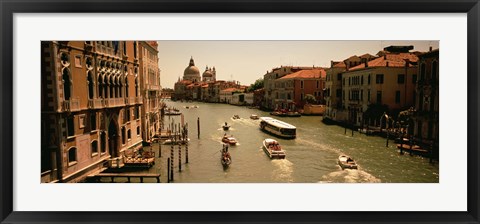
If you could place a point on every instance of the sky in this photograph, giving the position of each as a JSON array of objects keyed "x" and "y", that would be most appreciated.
[{"x": 247, "y": 61}]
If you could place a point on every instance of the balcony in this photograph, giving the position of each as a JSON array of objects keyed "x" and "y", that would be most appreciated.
[
  {"x": 130, "y": 101},
  {"x": 114, "y": 102},
  {"x": 152, "y": 87},
  {"x": 71, "y": 105},
  {"x": 95, "y": 103},
  {"x": 138, "y": 100}
]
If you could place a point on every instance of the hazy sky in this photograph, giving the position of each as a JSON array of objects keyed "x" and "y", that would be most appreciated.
[{"x": 247, "y": 61}]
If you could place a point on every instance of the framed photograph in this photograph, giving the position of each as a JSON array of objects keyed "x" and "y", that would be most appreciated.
[{"x": 263, "y": 112}]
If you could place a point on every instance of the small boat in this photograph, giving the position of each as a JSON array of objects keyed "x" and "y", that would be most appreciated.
[
  {"x": 226, "y": 127},
  {"x": 293, "y": 114},
  {"x": 254, "y": 117},
  {"x": 365, "y": 131},
  {"x": 172, "y": 111},
  {"x": 236, "y": 117},
  {"x": 229, "y": 140},
  {"x": 346, "y": 162},
  {"x": 276, "y": 113},
  {"x": 176, "y": 142},
  {"x": 273, "y": 149},
  {"x": 225, "y": 157}
]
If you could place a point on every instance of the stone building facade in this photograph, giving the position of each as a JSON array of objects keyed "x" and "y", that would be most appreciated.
[
  {"x": 426, "y": 118},
  {"x": 90, "y": 107},
  {"x": 151, "y": 89}
]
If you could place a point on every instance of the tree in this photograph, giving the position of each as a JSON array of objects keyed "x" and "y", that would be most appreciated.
[
  {"x": 374, "y": 112},
  {"x": 310, "y": 99},
  {"x": 257, "y": 85}
]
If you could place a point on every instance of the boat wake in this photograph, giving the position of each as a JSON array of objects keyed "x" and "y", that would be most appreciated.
[
  {"x": 283, "y": 171},
  {"x": 349, "y": 176},
  {"x": 317, "y": 145}
]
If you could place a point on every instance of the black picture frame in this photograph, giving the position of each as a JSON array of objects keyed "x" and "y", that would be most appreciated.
[{"x": 9, "y": 7}]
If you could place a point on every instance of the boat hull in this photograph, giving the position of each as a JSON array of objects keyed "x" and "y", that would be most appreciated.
[
  {"x": 273, "y": 155},
  {"x": 342, "y": 162}
]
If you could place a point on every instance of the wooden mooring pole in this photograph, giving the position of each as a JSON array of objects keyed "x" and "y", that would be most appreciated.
[
  {"x": 171, "y": 162},
  {"x": 159, "y": 149},
  {"x": 387, "y": 139},
  {"x": 179, "y": 157},
  {"x": 186, "y": 143},
  {"x": 198, "y": 127},
  {"x": 168, "y": 170}
]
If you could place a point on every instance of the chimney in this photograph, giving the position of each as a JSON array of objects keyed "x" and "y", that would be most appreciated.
[
  {"x": 387, "y": 63},
  {"x": 430, "y": 49},
  {"x": 331, "y": 64},
  {"x": 384, "y": 57}
]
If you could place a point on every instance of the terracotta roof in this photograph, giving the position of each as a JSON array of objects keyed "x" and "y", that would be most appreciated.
[
  {"x": 306, "y": 74},
  {"x": 352, "y": 57},
  {"x": 229, "y": 89},
  {"x": 186, "y": 82},
  {"x": 340, "y": 64},
  {"x": 394, "y": 60},
  {"x": 367, "y": 55}
]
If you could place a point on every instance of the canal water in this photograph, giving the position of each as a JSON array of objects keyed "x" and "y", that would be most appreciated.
[{"x": 311, "y": 157}]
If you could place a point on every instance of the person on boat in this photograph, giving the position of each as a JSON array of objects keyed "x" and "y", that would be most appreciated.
[{"x": 226, "y": 124}]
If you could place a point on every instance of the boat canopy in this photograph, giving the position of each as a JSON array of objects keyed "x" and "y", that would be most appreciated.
[{"x": 277, "y": 123}]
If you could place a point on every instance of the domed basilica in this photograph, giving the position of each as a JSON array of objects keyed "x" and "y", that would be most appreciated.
[{"x": 193, "y": 74}]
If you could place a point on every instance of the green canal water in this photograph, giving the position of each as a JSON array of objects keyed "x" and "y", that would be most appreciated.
[{"x": 311, "y": 157}]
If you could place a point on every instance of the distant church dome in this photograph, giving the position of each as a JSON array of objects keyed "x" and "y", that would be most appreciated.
[
  {"x": 207, "y": 73},
  {"x": 191, "y": 72}
]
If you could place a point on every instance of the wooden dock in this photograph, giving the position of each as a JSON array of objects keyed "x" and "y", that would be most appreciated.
[
  {"x": 139, "y": 162},
  {"x": 415, "y": 149},
  {"x": 127, "y": 175}
]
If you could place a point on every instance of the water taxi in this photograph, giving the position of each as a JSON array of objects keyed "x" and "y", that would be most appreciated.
[
  {"x": 273, "y": 149},
  {"x": 346, "y": 162},
  {"x": 277, "y": 127},
  {"x": 254, "y": 117},
  {"x": 229, "y": 140}
]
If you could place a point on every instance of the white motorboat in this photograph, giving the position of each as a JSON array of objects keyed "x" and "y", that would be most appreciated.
[
  {"x": 346, "y": 162},
  {"x": 273, "y": 149}
]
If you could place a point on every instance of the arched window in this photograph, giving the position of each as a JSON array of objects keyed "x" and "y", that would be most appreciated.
[
  {"x": 136, "y": 86},
  {"x": 123, "y": 136},
  {"x": 135, "y": 49},
  {"x": 105, "y": 86},
  {"x": 103, "y": 142},
  {"x": 66, "y": 84},
  {"x": 72, "y": 156},
  {"x": 422, "y": 72},
  {"x": 119, "y": 86},
  {"x": 112, "y": 86},
  {"x": 100, "y": 86},
  {"x": 138, "y": 130},
  {"x": 90, "y": 85},
  {"x": 94, "y": 147},
  {"x": 129, "y": 134},
  {"x": 126, "y": 87}
]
